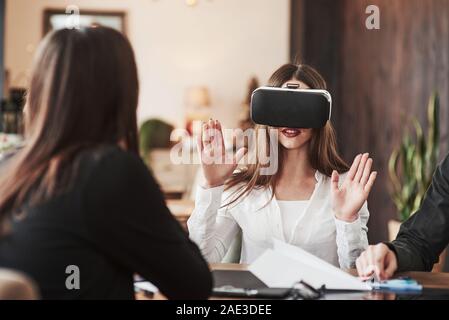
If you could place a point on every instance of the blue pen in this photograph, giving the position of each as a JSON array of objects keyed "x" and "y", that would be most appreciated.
[{"x": 401, "y": 284}]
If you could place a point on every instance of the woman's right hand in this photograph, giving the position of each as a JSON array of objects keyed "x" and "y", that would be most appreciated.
[{"x": 216, "y": 163}]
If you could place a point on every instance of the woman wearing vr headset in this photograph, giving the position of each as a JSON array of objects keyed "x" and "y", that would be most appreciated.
[{"x": 314, "y": 200}]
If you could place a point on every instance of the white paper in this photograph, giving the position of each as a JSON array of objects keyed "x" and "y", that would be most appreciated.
[
  {"x": 309, "y": 259},
  {"x": 284, "y": 265}
]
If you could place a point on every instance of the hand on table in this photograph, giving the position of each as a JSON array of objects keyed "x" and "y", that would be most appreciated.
[{"x": 378, "y": 260}]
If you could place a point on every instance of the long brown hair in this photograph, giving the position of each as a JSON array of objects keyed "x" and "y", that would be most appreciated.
[
  {"x": 83, "y": 94},
  {"x": 323, "y": 154}
]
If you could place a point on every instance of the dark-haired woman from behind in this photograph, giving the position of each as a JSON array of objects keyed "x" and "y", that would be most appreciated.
[{"x": 79, "y": 211}]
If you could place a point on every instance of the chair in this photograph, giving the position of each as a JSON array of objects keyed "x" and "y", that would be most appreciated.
[{"x": 16, "y": 286}]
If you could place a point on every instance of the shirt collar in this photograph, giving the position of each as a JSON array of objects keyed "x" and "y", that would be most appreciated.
[{"x": 319, "y": 176}]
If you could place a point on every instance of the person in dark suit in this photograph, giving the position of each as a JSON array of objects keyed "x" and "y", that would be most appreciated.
[{"x": 421, "y": 238}]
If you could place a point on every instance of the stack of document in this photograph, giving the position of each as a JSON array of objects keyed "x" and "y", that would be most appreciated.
[{"x": 285, "y": 265}]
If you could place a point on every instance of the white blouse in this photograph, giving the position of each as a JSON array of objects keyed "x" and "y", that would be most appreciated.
[
  {"x": 317, "y": 231},
  {"x": 291, "y": 211}
]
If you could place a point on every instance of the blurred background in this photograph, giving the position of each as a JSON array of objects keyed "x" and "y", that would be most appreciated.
[{"x": 202, "y": 58}]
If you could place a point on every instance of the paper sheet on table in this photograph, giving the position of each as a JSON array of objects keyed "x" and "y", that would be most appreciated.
[{"x": 285, "y": 264}]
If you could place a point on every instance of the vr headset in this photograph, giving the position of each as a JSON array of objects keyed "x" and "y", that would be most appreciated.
[{"x": 291, "y": 108}]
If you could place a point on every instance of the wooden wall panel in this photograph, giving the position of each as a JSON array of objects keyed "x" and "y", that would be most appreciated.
[
  {"x": 380, "y": 78},
  {"x": 315, "y": 41},
  {"x": 2, "y": 38}
]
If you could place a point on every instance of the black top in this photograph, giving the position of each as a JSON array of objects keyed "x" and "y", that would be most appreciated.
[
  {"x": 112, "y": 223},
  {"x": 424, "y": 236}
]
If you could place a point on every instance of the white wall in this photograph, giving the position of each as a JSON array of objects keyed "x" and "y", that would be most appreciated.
[{"x": 218, "y": 43}]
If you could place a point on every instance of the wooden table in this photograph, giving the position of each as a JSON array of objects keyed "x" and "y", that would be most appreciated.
[{"x": 427, "y": 279}]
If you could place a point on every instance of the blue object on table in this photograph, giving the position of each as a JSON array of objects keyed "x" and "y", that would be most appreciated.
[{"x": 400, "y": 284}]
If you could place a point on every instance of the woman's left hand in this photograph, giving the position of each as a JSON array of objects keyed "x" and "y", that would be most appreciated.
[{"x": 348, "y": 199}]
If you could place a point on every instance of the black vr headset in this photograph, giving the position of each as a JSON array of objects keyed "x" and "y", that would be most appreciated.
[{"x": 291, "y": 108}]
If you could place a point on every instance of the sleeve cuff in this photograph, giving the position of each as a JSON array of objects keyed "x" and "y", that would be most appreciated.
[
  {"x": 342, "y": 223},
  {"x": 351, "y": 230},
  {"x": 210, "y": 197},
  {"x": 392, "y": 248}
]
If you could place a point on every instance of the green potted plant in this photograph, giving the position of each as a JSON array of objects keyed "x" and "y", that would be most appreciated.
[
  {"x": 154, "y": 134},
  {"x": 412, "y": 164}
]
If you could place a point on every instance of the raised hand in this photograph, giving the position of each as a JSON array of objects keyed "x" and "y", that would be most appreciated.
[
  {"x": 216, "y": 163},
  {"x": 348, "y": 199}
]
